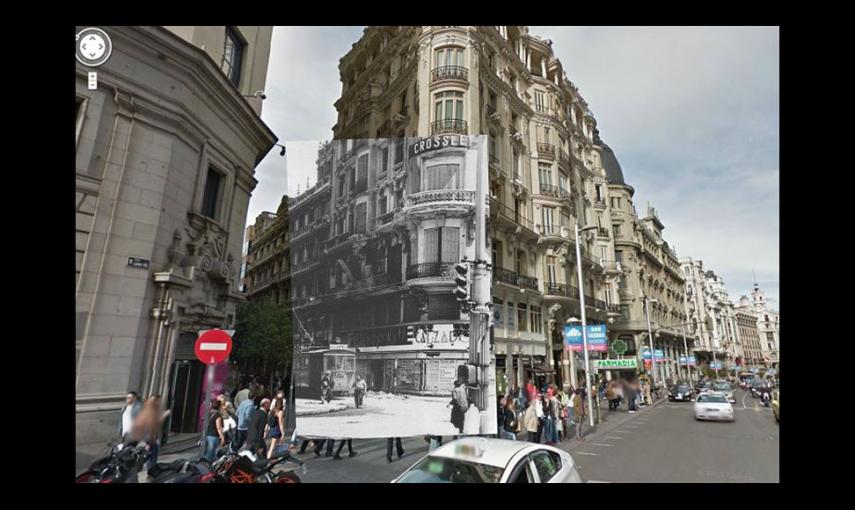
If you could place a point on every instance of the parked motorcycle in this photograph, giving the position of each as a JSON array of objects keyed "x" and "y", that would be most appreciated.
[
  {"x": 767, "y": 398},
  {"x": 122, "y": 465},
  {"x": 245, "y": 467}
]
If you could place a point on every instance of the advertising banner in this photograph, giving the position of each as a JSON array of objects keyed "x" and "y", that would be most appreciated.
[{"x": 596, "y": 337}]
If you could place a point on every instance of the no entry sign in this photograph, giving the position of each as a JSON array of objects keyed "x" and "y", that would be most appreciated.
[{"x": 213, "y": 346}]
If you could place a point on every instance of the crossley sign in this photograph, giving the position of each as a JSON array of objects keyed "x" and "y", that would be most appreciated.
[{"x": 438, "y": 142}]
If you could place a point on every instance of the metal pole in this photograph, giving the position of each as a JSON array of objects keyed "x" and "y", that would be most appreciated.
[
  {"x": 686, "y": 352},
  {"x": 584, "y": 333},
  {"x": 210, "y": 379},
  {"x": 650, "y": 336},
  {"x": 479, "y": 332}
]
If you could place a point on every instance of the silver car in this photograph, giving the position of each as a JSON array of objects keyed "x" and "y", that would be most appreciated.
[
  {"x": 713, "y": 405},
  {"x": 725, "y": 389},
  {"x": 487, "y": 460}
]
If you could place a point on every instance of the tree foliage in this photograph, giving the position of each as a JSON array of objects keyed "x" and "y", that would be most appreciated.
[{"x": 262, "y": 340}]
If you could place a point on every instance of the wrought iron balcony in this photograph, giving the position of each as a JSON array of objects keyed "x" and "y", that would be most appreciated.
[
  {"x": 549, "y": 190},
  {"x": 385, "y": 218},
  {"x": 458, "y": 73},
  {"x": 564, "y": 158},
  {"x": 441, "y": 195},
  {"x": 545, "y": 150},
  {"x": 455, "y": 126},
  {"x": 560, "y": 289},
  {"x": 514, "y": 278},
  {"x": 429, "y": 269},
  {"x": 510, "y": 214}
]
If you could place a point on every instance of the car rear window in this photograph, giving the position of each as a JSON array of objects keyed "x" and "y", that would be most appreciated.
[
  {"x": 445, "y": 470},
  {"x": 719, "y": 399}
]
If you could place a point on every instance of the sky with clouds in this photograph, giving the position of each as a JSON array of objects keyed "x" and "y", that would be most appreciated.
[{"x": 691, "y": 112}]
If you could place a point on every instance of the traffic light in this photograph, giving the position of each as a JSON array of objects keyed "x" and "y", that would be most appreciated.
[
  {"x": 461, "y": 282},
  {"x": 467, "y": 374}
]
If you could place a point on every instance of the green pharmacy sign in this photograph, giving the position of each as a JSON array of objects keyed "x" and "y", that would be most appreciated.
[{"x": 609, "y": 364}]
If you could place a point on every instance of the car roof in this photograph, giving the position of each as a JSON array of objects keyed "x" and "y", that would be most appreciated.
[{"x": 494, "y": 452}]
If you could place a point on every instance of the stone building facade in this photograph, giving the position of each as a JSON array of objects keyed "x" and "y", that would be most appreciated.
[
  {"x": 768, "y": 327},
  {"x": 166, "y": 151},
  {"x": 749, "y": 338},
  {"x": 267, "y": 272},
  {"x": 546, "y": 171}
]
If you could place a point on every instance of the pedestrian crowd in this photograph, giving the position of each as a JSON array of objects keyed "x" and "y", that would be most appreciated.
[{"x": 542, "y": 415}]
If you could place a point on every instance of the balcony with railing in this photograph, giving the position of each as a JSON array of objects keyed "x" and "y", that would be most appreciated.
[
  {"x": 454, "y": 73},
  {"x": 441, "y": 196},
  {"x": 452, "y": 126},
  {"x": 429, "y": 270},
  {"x": 554, "y": 231},
  {"x": 549, "y": 190},
  {"x": 561, "y": 290},
  {"x": 515, "y": 279},
  {"x": 599, "y": 203},
  {"x": 545, "y": 151},
  {"x": 564, "y": 158},
  {"x": 503, "y": 212},
  {"x": 603, "y": 232},
  {"x": 385, "y": 218},
  {"x": 611, "y": 266}
]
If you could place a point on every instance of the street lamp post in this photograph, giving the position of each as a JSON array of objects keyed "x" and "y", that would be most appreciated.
[
  {"x": 584, "y": 333},
  {"x": 650, "y": 335}
]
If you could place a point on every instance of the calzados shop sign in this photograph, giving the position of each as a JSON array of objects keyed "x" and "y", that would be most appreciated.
[{"x": 438, "y": 142}]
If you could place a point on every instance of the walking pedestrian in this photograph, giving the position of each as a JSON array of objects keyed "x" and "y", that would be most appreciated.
[
  {"x": 319, "y": 445},
  {"x": 275, "y": 425},
  {"x": 227, "y": 411},
  {"x": 508, "y": 424},
  {"x": 130, "y": 410},
  {"x": 327, "y": 384},
  {"x": 532, "y": 425},
  {"x": 611, "y": 395},
  {"x": 148, "y": 427},
  {"x": 500, "y": 415},
  {"x": 359, "y": 386},
  {"x": 350, "y": 452},
  {"x": 630, "y": 397},
  {"x": 243, "y": 393},
  {"x": 579, "y": 412},
  {"x": 214, "y": 437},
  {"x": 459, "y": 405},
  {"x": 244, "y": 410},
  {"x": 256, "y": 425},
  {"x": 551, "y": 417},
  {"x": 398, "y": 447}
]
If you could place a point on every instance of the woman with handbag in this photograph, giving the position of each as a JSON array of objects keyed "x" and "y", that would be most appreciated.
[{"x": 275, "y": 426}]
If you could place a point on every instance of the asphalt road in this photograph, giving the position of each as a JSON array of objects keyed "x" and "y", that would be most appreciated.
[
  {"x": 666, "y": 444},
  {"x": 369, "y": 464}
]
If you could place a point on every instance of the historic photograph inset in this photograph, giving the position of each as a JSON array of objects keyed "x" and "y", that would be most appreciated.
[{"x": 391, "y": 290}]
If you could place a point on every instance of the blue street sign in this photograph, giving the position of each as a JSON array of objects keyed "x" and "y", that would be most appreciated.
[
  {"x": 692, "y": 361},
  {"x": 683, "y": 361},
  {"x": 660, "y": 356}
]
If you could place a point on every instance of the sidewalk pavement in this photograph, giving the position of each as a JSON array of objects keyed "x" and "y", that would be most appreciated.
[{"x": 610, "y": 421}]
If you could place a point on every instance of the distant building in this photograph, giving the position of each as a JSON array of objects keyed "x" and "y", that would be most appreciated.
[
  {"x": 767, "y": 325},
  {"x": 268, "y": 259}
]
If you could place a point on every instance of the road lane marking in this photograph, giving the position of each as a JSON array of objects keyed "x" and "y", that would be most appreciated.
[
  {"x": 587, "y": 453},
  {"x": 743, "y": 400},
  {"x": 612, "y": 437},
  {"x": 602, "y": 444}
]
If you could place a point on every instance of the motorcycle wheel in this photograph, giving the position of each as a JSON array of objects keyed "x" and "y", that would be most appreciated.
[
  {"x": 287, "y": 478},
  {"x": 87, "y": 477}
]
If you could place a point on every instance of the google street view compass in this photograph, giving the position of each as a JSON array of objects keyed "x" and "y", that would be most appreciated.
[{"x": 93, "y": 48}]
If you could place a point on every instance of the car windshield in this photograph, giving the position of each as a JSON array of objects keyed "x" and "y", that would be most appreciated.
[
  {"x": 718, "y": 399},
  {"x": 682, "y": 388},
  {"x": 444, "y": 470},
  {"x": 721, "y": 386}
]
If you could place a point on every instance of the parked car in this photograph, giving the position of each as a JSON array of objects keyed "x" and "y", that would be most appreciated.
[
  {"x": 680, "y": 393},
  {"x": 487, "y": 460},
  {"x": 776, "y": 406},
  {"x": 713, "y": 405},
  {"x": 724, "y": 387}
]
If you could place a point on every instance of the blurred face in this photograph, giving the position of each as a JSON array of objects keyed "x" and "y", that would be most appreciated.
[{"x": 129, "y": 398}]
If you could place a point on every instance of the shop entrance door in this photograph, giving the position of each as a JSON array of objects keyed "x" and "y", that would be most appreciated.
[{"x": 184, "y": 394}]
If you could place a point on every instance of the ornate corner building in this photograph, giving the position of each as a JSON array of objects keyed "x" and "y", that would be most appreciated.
[
  {"x": 373, "y": 244},
  {"x": 166, "y": 150},
  {"x": 545, "y": 165}
]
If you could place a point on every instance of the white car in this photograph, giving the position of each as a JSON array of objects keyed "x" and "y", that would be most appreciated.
[
  {"x": 713, "y": 405},
  {"x": 487, "y": 460},
  {"x": 725, "y": 388}
]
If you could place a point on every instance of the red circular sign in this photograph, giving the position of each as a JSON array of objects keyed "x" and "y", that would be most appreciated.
[{"x": 213, "y": 347}]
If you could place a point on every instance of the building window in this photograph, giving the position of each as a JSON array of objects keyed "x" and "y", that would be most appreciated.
[
  {"x": 384, "y": 160},
  {"x": 551, "y": 269},
  {"x": 536, "y": 320},
  {"x": 616, "y": 203},
  {"x": 544, "y": 172},
  {"x": 547, "y": 213},
  {"x": 539, "y": 102},
  {"x": 442, "y": 245},
  {"x": 441, "y": 177},
  {"x": 616, "y": 229},
  {"x": 450, "y": 56},
  {"x": 448, "y": 108},
  {"x": 399, "y": 150},
  {"x": 213, "y": 190},
  {"x": 522, "y": 316},
  {"x": 360, "y": 218},
  {"x": 233, "y": 55},
  {"x": 510, "y": 314},
  {"x": 498, "y": 312},
  {"x": 562, "y": 185},
  {"x": 362, "y": 174},
  {"x": 382, "y": 204}
]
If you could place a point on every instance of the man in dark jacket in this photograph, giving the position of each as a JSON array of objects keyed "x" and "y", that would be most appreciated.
[{"x": 255, "y": 428}]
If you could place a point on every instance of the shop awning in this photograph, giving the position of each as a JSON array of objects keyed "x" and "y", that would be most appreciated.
[{"x": 542, "y": 368}]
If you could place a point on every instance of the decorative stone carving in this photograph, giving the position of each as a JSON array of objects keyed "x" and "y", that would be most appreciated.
[{"x": 207, "y": 248}]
